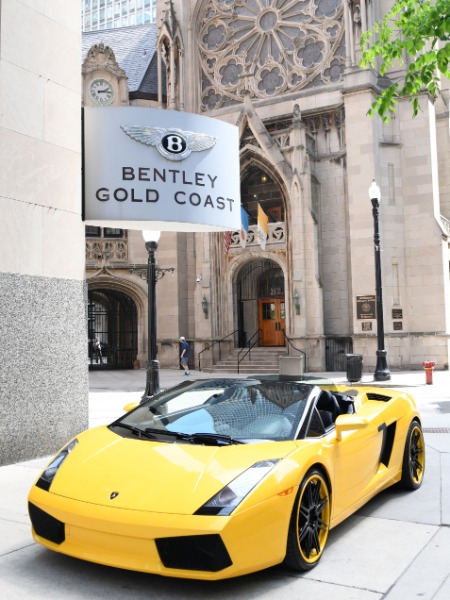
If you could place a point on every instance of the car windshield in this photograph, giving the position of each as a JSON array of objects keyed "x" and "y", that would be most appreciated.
[{"x": 221, "y": 412}]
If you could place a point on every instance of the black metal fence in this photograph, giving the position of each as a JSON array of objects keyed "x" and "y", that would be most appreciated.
[
  {"x": 112, "y": 320},
  {"x": 336, "y": 350}
]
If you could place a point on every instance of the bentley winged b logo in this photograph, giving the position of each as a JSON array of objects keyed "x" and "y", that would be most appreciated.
[{"x": 173, "y": 144}]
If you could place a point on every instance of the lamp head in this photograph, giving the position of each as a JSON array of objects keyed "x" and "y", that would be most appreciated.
[
  {"x": 205, "y": 306},
  {"x": 374, "y": 191},
  {"x": 151, "y": 236},
  {"x": 296, "y": 296}
]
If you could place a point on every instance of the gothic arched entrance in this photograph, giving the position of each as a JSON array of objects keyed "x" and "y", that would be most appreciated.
[
  {"x": 112, "y": 319},
  {"x": 261, "y": 303}
]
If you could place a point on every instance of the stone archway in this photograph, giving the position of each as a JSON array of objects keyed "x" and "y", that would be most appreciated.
[
  {"x": 112, "y": 318},
  {"x": 260, "y": 302}
]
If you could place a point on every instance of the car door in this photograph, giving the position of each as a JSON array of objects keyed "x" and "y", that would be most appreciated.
[
  {"x": 359, "y": 450},
  {"x": 356, "y": 464}
]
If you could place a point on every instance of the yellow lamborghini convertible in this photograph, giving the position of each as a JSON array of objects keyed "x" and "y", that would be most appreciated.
[{"x": 218, "y": 478}]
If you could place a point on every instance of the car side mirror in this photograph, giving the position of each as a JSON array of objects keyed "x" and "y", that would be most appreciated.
[
  {"x": 349, "y": 423},
  {"x": 130, "y": 406}
]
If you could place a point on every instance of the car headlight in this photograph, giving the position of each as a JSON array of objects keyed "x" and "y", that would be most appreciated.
[
  {"x": 225, "y": 501},
  {"x": 46, "y": 479}
]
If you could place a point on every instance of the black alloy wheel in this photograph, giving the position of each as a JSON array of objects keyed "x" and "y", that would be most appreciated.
[
  {"x": 310, "y": 523},
  {"x": 413, "y": 467}
]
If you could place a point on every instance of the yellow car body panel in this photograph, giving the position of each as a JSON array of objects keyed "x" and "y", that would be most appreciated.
[
  {"x": 154, "y": 475},
  {"x": 126, "y": 539},
  {"x": 117, "y": 495}
]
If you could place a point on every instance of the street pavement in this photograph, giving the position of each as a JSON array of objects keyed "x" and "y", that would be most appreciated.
[{"x": 397, "y": 547}]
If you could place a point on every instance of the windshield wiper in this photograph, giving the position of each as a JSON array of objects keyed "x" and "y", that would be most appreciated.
[
  {"x": 214, "y": 439},
  {"x": 175, "y": 434},
  {"x": 135, "y": 430},
  {"x": 208, "y": 439}
]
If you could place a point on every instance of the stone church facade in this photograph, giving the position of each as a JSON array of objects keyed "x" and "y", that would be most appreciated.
[{"x": 286, "y": 74}]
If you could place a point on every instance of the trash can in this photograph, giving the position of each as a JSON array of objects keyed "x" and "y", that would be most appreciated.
[{"x": 354, "y": 367}]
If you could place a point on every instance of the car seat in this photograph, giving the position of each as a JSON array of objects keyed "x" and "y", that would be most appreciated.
[{"x": 328, "y": 407}]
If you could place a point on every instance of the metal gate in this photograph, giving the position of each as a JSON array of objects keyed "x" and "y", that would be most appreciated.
[
  {"x": 112, "y": 322},
  {"x": 336, "y": 350}
]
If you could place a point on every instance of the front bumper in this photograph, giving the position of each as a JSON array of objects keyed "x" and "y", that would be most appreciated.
[{"x": 188, "y": 546}]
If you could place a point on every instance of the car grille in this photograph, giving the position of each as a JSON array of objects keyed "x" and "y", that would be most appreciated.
[
  {"x": 194, "y": 553},
  {"x": 46, "y": 526}
]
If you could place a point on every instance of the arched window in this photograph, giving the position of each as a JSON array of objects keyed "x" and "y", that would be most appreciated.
[{"x": 257, "y": 187}]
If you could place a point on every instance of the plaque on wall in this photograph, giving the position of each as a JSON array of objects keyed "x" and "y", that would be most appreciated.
[
  {"x": 398, "y": 325},
  {"x": 366, "y": 326},
  {"x": 397, "y": 313},
  {"x": 365, "y": 307}
]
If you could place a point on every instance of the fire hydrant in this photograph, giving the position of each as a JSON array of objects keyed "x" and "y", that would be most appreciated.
[{"x": 428, "y": 366}]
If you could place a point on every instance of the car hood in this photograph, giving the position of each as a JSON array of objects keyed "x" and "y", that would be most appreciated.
[{"x": 173, "y": 478}]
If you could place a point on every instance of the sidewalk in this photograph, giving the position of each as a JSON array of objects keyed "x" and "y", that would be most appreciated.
[{"x": 394, "y": 548}]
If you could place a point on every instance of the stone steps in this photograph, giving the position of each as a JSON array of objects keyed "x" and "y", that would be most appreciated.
[{"x": 260, "y": 361}]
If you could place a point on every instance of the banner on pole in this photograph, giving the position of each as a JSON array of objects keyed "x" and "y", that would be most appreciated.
[
  {"x": 244, "y": 226},
  {"x": 262, "y": 227}
]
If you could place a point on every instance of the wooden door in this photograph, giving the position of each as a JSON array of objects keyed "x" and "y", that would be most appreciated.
[{"x": 272, "y": 317}]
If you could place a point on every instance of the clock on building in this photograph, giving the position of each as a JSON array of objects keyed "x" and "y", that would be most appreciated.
[{"x": 101, "y": 92}]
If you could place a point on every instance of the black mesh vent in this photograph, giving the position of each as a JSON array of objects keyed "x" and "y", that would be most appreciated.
[
  {"x": 194, "y": 553},
  {"x": 45, "y": 525},
  {"x": 379, "y": 397}
]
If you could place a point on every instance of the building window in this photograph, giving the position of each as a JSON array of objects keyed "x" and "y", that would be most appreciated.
[
  {"x": 107, "y": 232},
  {"x": 258, "y": 188},
  {"x": 101, "y": 14},
  {"x": 92, "y": 231},
  {"x": 112, "y": 233}
]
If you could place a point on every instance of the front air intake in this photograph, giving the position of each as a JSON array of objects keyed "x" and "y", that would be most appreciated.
[
  {"x": 194, "y": 553},
  {"x": 45, "y": 525}
]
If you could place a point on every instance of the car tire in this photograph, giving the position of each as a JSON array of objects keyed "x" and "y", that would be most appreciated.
[
  {"x": 413, "y": 466},
  {"x": 310, "y": 523}
]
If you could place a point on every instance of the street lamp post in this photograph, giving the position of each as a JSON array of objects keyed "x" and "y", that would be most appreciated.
[
  {"x": 382, "y": 372},
  {"x": 151, "y": 239},
  {"x": 154, "y": 273}
]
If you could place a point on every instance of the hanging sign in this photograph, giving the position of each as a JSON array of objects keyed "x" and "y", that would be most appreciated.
[{"x": 157, "y": 169}]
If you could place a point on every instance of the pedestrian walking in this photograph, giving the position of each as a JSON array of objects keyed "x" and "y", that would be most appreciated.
[
  {"x": 98, "y": 351},
  {"x": 184, "y": 356}
]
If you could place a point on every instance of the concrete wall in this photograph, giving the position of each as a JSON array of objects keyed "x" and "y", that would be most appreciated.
[{"x": 43, "y": 339}]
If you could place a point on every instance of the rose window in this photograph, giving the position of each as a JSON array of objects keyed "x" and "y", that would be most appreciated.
[{"x": 265, "y": 48}]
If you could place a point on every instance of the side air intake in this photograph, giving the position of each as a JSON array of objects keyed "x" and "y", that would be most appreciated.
[{"x": 379, "y": 397}]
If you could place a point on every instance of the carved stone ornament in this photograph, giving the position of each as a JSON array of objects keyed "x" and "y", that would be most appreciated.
[
  {"x": 265, "y": 48},
  {"x": 100, "y": 56}
]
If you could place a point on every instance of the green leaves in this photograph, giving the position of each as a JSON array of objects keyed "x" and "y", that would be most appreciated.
[
  {"x": 386, "y": 103},
  {"x": 420, "y": 30}
]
